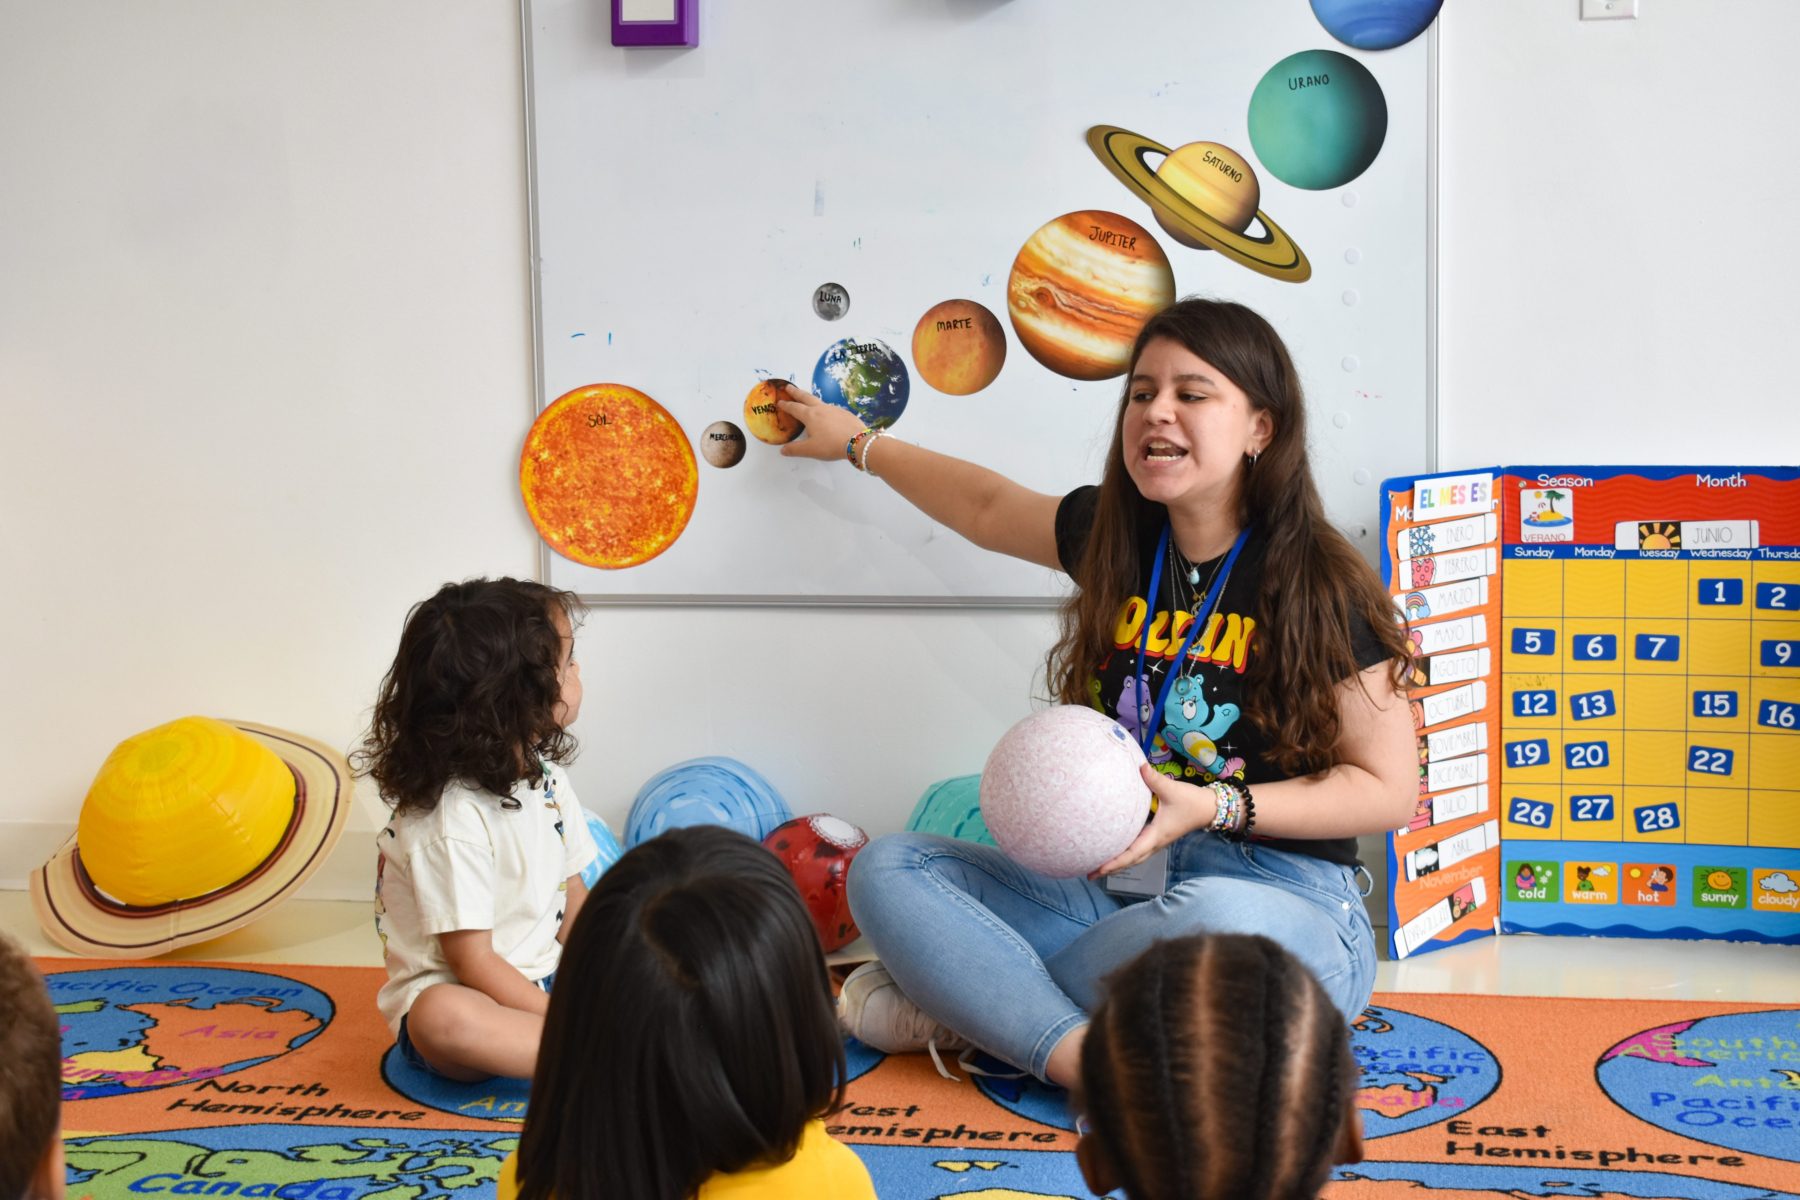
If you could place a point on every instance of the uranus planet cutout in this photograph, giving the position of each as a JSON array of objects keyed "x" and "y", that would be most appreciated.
[
  {"x": 1062, "y": 793},
  {"x": 1082, "y": 286},
  {"x": 866, "y": 377},
  {"x": 958, "y": 347},
  {"x": 1376, "y": 24},
  {"x": 1317, "y": 119}
]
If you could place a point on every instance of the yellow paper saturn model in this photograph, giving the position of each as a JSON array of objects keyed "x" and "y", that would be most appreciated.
[{"x": 190, "y": 830}]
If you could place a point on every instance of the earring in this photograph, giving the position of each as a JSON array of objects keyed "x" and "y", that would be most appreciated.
[{"x": 1252, "y": 456}]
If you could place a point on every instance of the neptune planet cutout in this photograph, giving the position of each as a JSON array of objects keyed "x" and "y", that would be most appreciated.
[{"x": 1376, "y": 24}]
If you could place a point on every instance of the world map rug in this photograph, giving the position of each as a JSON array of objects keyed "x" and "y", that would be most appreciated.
[{"x": 186, "y": 1079}]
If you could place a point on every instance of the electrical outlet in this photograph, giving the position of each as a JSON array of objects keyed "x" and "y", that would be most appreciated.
[{"x": 1609, "y": 10}]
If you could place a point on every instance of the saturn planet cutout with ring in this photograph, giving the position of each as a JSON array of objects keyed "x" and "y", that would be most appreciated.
[{"x": 1201, "y": 216}]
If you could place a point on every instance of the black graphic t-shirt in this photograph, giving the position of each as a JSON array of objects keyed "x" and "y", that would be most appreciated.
[{"x": 1201, "y": 733}]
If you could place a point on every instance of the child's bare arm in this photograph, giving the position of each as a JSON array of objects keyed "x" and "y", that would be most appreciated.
[
  {"x": 573, "y": 898},
  {"x": 470, "y": 953}
]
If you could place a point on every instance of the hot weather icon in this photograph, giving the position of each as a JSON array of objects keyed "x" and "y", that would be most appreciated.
[{"x": 1205, "y": 195}]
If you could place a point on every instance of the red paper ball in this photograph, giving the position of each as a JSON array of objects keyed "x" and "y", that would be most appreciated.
[{"x": 817, "y": 850}]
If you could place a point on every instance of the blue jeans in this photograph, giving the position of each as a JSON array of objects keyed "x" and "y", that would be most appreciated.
[{"x": 1013, "y": 960}]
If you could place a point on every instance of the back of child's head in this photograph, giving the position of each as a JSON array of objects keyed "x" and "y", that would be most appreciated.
[
  {"x": 30, "y": 1080},
  {"x": 473, "y": 692},
  {"x": 1217, "y": 1068},
  {"x": 691, "y": 1029}
]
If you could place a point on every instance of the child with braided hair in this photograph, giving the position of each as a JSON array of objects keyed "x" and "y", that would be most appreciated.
[{"x": 1216, "y": 1068}]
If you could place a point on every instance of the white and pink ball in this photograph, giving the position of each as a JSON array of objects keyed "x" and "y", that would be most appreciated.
[{"x": 1061, "y": 791}]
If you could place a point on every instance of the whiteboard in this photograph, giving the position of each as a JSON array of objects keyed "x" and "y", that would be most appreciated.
[{"x": 686, "y": 204}]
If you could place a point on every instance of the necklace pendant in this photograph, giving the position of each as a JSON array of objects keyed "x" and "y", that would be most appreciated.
[{"x": 1193, "y": 576}]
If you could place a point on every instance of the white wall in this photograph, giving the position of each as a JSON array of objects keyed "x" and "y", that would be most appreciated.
[
  {"x": 265, "y": 367},
  {"x": 1618, "y": 256},
  {"x": 265, "y": 364}
]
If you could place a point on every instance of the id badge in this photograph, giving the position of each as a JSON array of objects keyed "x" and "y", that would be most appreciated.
[{"x": 1148, "y": 878}]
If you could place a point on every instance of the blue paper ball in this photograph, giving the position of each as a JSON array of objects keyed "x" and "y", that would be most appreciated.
[
  {"x": 952, "y": 808},
  {"x": 706, "y": 791},
  {"x": 610, "y": 851}
]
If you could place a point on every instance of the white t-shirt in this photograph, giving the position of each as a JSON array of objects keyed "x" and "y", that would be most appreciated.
[{"x": 475, "y": 863}]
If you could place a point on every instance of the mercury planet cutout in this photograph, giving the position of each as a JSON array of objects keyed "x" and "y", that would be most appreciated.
[
  {"x": 958, "y": 347},
  {"x": 722, "y": 444}
]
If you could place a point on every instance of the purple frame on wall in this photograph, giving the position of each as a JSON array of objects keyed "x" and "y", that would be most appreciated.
[{"x": 684, "y": 30}]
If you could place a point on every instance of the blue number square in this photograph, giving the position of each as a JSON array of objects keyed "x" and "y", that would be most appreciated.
[
  {"x": 1534, "y": 641},
  {"x": 1581, "y": 756},
  {"x": 1719, "y": 591},
  {"x": 1657, "y": 818},
  {"x": 1533, "y": 813},
  {"x": 1594, "y": 647},
  {"x": 1533, "y": 753},
  {"x": 1715, "y": 704},
  {"x": 1777, "y": 715},
  {"x": 1781, "y": 653},
  {"x": 1658, "y": 647},
  {"x": 1590, "y": 808},
  {"x": 1783, "y": 597},
  {"x": 1534, "y": 704},
  {"x": 1709, "y": 760},
  {"x": 1585, "y": 706}
]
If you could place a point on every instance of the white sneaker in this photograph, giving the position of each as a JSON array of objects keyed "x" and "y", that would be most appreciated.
[{"x": 873, "y": 1010}]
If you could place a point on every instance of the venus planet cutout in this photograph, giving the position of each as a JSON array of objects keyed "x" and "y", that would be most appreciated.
[
  {"x": 958, "y": 347},
  {"x": 722, "y": 444},
  {"x": 1082, "y": 286},
  {"x": 764, "y": 418},
  {"x": 608, "y": 476}
]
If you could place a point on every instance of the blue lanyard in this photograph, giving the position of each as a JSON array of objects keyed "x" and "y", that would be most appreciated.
[{"x": 1147, "y": 734}]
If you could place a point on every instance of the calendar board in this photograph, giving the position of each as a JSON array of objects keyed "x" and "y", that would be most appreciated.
[{"x": 1607, "y": 696}]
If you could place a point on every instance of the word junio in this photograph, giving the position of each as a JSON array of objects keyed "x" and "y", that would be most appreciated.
[{"x": 1559, "y": 1153}]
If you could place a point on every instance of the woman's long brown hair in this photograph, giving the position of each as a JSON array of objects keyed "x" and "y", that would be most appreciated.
[{"x": 1313, "y": 580}]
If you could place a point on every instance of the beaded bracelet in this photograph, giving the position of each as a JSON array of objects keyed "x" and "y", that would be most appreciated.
[
  {"x": 1225, "y": 805},
  {"x": 850, "y": 447},
  {"x": 875, "y": 435},
  {"x": 1247, "y": 805}
]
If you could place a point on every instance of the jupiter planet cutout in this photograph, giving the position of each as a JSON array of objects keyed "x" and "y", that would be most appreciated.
[
  {"x": 608, "y": 476},
  {"x": 958, "y": 347},
  {"x": 1081, "y": 288}
]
